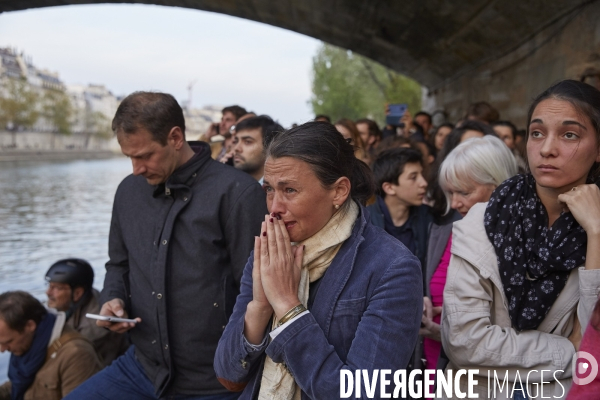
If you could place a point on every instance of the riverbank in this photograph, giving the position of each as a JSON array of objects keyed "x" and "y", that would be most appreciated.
[{"x": 54, "y": 155}]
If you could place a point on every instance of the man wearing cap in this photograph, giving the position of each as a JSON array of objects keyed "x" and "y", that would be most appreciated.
[
  {"x": 70, "y": 290},
  {"x": 48, "y": 358}
]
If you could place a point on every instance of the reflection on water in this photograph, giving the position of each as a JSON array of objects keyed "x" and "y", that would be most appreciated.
[{"x": 53, "y": 210}]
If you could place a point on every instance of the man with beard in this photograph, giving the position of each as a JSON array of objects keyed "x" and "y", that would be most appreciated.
[{"x": 252, "y": 137}]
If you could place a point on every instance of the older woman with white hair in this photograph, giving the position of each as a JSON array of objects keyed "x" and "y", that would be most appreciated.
[{"x": 468, "y": 175}]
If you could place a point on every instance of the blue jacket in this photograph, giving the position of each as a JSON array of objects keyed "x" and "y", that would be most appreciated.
[{"x": 366, "y": 315}]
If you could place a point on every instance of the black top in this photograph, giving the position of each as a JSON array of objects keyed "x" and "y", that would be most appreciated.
[{"x": 177, "y": 252}]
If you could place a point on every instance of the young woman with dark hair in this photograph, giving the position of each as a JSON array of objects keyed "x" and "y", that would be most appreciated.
[{"x": 525, "y": 269}]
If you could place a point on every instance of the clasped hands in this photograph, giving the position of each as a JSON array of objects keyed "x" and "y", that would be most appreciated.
[{"x": 277, "y": 266}]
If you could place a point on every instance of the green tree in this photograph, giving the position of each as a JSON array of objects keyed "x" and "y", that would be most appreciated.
[
  {"x": 18, "y": 106},
  {"x": 57, "y": 109},
  {"x": 96, "y": 124},
  {"x": 348, "y": 85}
]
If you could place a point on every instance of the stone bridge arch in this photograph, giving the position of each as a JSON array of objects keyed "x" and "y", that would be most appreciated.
[{"x": 504, "y": 52}]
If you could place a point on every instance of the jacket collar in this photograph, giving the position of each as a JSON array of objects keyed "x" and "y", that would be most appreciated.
[
  {"x": 470, "y": 242},
  {"x": 183, "y": 176},
  {"x": 338, "y": 274}
]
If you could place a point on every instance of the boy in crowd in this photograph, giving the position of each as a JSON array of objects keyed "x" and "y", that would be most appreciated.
[{"x": 399, "y": 207}]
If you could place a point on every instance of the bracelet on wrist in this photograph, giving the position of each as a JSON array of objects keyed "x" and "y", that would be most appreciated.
[{"x": 295, "y": 311}]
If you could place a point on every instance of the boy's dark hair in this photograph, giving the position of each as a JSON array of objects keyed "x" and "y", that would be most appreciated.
[
  {"x": 236, "y": 110},
  {"x": 390, "y": 163},
  {"x": 18, "y": 307},
  {"x": 156, "y": 112},
  {"x": 268, "y": 127}
]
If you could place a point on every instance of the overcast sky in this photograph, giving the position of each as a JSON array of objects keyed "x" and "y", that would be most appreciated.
[{"x": 140, "y": 47}]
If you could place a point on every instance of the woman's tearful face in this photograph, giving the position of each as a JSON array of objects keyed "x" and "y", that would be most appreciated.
[{"x": 296, "y": 196}]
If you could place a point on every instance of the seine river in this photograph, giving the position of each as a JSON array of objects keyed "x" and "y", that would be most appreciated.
[{"x": 54, "y": 210}]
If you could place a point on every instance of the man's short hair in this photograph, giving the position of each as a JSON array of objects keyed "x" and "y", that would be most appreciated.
[
  {"x": 390, "y": 164},
  {"x": 513, "y": 128},
  {"x": 268, "y": 127},
  {"x": 18, "y": 307},
  {"x": 236, "y": 110},
  {"x": 483, "y": 111},
  {"x": 322, "y": 116},
  {"x": 425, "y": 114},
  {"x": 156, "y": 112}
]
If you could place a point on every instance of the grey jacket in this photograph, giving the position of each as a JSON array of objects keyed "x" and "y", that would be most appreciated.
[{"x": 177, "y": 252}]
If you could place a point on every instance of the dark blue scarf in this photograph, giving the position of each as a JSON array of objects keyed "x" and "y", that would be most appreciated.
[{"x": 22, "y": 369}]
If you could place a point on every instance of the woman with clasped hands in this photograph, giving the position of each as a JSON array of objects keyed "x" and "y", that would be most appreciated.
[
  {"x": 525, "y": 269},
  {"x": 324, "y": 290}
]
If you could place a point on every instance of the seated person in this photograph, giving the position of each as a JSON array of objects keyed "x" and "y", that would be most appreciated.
[
  {"x": 399, "y": 207},
  {"x": 48, "y": 359},
  {"x": 70, "y": 290}
]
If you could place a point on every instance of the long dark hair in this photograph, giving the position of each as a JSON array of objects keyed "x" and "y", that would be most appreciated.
[
  {"x": 584, "y": 98},
  {"x": 329, "y": 155}
]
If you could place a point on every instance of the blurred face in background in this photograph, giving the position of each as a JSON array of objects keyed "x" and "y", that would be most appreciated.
[
  {"x": 424, "y": 123},
  {"x": 227, "y": 121},
  {"x": 363, "y": 129},
  {"x": 506, "y": 134},
  {"x": 469, "y": 194},
  {"x": 440, "y": 136}
]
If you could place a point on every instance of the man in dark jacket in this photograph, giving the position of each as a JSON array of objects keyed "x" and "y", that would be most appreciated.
[{"x": 183, "y": 226}]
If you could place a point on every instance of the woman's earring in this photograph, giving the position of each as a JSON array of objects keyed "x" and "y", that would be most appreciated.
[{"x": 337, "y": 206}]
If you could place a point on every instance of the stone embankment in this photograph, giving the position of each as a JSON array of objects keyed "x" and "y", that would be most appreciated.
[{"x": 54, "y": 155}]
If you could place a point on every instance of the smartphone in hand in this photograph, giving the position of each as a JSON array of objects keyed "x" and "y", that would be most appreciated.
[
  {"x": 395, "y": 112},
  {"x": 109, "y": 318}
]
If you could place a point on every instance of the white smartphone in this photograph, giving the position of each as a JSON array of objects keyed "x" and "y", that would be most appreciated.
[{"x": 109, "y": 318}]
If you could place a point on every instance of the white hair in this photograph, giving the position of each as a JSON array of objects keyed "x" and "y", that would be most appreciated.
[{"x": 482, "y": 161}]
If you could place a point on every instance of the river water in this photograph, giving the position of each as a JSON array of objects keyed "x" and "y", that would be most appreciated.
[{"x": 54, "y": 210}]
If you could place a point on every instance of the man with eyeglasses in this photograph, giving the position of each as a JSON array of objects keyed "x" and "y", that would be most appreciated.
[{"x": 70, "y": 290}]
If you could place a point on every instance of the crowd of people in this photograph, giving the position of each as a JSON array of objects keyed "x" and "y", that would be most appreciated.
[{"x": 259, "y": 262}]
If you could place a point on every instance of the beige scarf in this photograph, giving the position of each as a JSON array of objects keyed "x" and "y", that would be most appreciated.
[{"x": 277, "y": 383}]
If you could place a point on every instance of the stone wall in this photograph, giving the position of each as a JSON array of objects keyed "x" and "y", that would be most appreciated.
[
  {"x": 50, "y": 141},
  {"x": 563, "y": 50}
]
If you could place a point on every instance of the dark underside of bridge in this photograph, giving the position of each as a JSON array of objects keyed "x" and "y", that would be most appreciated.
[{"x": 450, "y": 47}]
